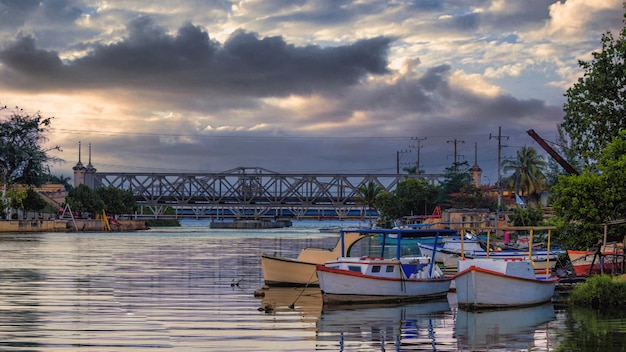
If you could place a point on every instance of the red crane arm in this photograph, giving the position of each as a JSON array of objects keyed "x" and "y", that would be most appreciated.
[{"x": 553, "y": 153}]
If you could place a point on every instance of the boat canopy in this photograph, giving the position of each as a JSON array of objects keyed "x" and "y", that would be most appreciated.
[{"x": 399, "y": 234}]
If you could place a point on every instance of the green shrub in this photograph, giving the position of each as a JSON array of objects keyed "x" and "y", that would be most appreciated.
[{"x": 600, "y": 291}]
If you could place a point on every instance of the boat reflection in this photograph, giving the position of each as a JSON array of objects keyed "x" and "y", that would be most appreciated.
[
  {"x": 306, "y": 301},
  {"x": 501, "y": 329},
  {"x": 381, "y": 327}
]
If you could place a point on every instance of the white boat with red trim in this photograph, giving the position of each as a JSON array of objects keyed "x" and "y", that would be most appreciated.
[
  {"x": 499, "y": 283},
  {"x": 454, "y": 249},
  {"x": 377, "y": 279}
]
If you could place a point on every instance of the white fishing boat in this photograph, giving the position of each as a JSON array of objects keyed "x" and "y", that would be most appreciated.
[
  {"x": 455, "y": 249},
  {"x": 285, "y": 271},
  {"x": 378, "y": 279},
  {"x": 496, "y": 283}
]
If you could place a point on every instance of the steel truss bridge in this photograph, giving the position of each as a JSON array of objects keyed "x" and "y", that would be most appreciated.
[{"x": 250, "y": 193}]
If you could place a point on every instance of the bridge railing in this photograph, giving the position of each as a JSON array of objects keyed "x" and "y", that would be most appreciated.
[{"x": 258, "y": 189}]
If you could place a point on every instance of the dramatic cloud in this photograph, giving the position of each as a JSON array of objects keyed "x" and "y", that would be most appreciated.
[
  {"x": 296, "y": 86},
  {"x": 192, "y": 61}
]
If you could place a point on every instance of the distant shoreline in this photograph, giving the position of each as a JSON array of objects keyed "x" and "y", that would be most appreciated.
[{"x": 66, "y": 225}]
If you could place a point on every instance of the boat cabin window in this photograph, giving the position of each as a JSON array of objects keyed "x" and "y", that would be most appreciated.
[
  {"x": 355, "y": 268},
  {"x": 390, "y": 268},
  {"x": 376, "y": 269}
]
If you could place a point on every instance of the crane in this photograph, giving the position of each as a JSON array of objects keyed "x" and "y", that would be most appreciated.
[{"x": 569, "y": 168}]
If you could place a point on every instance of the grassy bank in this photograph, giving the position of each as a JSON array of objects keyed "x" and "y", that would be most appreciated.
[{"x": 600, "y": 291}]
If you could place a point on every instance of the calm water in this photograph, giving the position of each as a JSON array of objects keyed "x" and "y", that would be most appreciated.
[{"x": 171, "y": 289}]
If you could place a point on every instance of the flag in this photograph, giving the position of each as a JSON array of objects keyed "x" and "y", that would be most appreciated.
[{"x": 519, "y": 201}]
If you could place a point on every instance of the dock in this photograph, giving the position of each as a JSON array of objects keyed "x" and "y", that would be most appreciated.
[{"x": 251, "y": 224}]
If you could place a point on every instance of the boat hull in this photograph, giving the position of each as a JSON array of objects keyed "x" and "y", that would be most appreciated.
[
  {"x": 478, "y": 288},
  {"x": 342, "y": 286},
  {"x": 584, "y": 264},
  {"x": 281, "y": 271},
  {"x": 284, "y": 271}
]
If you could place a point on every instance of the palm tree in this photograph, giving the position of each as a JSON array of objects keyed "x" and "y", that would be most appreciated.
[
  {"x": 528, "y": 171},
  {"x": 368, "y": 192}
]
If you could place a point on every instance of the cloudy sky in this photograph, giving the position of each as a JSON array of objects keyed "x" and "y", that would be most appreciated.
[{"x": 335, "y": 86}]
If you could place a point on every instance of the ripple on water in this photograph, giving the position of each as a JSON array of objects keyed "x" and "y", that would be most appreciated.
[{"x": 174, "y": 290}]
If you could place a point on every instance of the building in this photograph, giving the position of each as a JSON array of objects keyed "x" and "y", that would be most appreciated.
[{"x": 82, "y": 174}]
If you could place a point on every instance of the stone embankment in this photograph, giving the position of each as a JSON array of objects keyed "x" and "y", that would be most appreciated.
[{"x": 64, "y": 225}]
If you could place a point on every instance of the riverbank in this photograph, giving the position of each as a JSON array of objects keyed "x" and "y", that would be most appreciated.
[{"x": 65, "y": 225}]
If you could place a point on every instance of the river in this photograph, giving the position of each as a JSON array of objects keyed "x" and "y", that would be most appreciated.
[{"x": 192, "y": 289}]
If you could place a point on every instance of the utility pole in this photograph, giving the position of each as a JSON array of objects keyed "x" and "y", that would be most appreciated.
[
  {"x": 455, "y": 141},
  {"x": 499, "y": 137},
  {"x": 398, "y": 159},
  {"x": 419, "y": 145}
]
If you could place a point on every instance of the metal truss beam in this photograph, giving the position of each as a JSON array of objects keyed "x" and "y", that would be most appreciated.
[{"x": 250, "y": 192}]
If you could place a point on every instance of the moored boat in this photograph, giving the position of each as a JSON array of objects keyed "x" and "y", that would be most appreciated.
[
  {"x": 498, "y": 283},
  {"x": 609, "y": 259},
  {"x": 284, "y": 271},
  {"x": 455, "y": 249},
  {"x": 378, "y": 279}
]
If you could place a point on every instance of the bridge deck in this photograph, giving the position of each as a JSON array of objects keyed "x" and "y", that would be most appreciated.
[{"x": 251, "y": 193}]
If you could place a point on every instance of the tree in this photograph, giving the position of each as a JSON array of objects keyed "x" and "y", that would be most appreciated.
[
  {"x": 26, "y": 199},
  {"x": 528, "y": 171},
  {"x": 33, "y": 201},
  {"x": 368, "y": 193},
  {"x": 23, "y": 160},
  {"x": 583, "y": 203},
  {"x": 65, "y": 181},
  {"x": 110, "y": 199},
  {"x": 470, "y": 196},
  {"x": 84, "y": 199},
  {"x": 594, "y": 111},
  {"x": 531, "y": 216},
  {"x": 388, "y": 208},
  {"x": 116, "y": 201},
  {"x": 455, "y": 178},
  {"x": 411, "y": 197}
]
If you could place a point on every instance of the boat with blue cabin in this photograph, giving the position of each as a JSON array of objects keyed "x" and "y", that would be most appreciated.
[{"x": 392, "y": 275}]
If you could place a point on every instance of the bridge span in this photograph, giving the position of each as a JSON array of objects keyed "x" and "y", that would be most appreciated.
[{"x": 250, "y": 193}]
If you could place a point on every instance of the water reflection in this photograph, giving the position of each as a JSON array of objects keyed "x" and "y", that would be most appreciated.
[
  {"x": 170, "y": 289},
  {"x": 507, "y": 329},
  {"x": 307, "y": 301},
  {"x": 592, "y": 330},
  {"x": 399, "y": 327}
]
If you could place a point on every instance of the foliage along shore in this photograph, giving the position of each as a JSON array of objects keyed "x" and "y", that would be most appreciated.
[{"x": 600, "y": 292}]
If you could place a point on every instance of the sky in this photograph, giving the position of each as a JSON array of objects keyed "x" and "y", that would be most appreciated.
[{"x": 296, "y": 86}]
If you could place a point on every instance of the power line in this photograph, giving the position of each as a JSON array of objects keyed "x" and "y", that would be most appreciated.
[
  {"x": 499, "y": 137},
  {"x": 456, "y": 141},
  {"x": 419, "y": 146}
]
